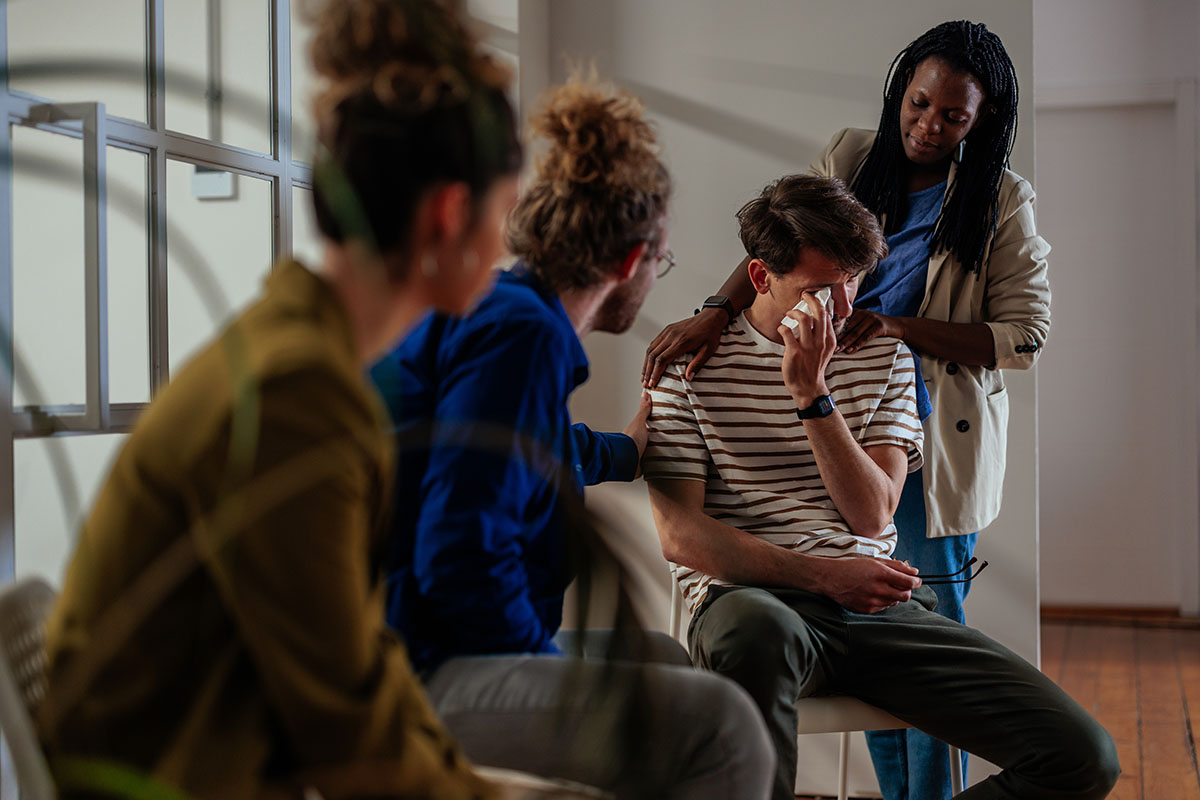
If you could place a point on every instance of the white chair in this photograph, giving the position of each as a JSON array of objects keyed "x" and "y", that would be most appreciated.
[
  {"x": 839, "y": 714},
  {"x": 24, "y": 606}
]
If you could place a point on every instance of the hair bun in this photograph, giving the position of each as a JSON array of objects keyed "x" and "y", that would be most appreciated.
[
  {"x": 403, "y": 55},
  {"x": 600, "y": 188},
  {"x": 408, "y": 101},
  {"x": 598, "y": 137}
]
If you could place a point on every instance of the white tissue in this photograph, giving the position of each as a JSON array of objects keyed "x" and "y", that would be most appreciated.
[{"x": 822, "y": 295}]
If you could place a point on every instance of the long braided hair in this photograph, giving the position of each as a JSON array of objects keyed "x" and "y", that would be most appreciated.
[{"x": 968, "y": 218}]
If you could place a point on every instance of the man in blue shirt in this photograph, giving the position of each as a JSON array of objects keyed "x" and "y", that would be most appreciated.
[
  {"x": 486, "y": 451},
  {"x": 490, "y": 464},
  {"x": 488, "y": 460}
]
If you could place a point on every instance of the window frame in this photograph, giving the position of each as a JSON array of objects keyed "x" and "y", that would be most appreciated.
[{"x": 158, "y": 144}]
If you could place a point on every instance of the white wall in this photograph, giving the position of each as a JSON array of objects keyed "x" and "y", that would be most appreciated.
[
  {"x": 1081, "y": 43},
  {"x": 48, "y": 32},
  {"x": 1118, "y": 401},
  {"x": 744, "y": 93}
]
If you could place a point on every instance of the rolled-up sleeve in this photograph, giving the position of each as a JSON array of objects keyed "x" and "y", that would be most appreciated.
[
  {"x": 1017, "y": 296},
  {"x": 604, "y": 456}
]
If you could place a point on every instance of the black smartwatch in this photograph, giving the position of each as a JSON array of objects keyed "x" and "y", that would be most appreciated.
[
  {"x": 719, "y": 301},
  {"x": 822, "y": 406}
]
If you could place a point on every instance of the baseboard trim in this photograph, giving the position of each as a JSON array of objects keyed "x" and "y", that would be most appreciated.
[{"x": 1137, "y": 617}]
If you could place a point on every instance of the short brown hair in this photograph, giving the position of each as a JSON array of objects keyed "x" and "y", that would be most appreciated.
[
  {"x": 808, "y": 211},
  {"x": 600, "y": 190}
]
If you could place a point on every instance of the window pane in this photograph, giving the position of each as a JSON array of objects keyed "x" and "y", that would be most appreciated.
[
  {"x": 303, "y": 83},
  {"x": 48, "y": 268},
  {"x": 496, "y": 23},
  {"x": 307, "y": 246},
  {"x": 55, "y": 483},
  {"x": 128, "y": 278},
  {"x": 67, "y": 50},
  {"x": 218, "y": 251},
  {"x": 235, "y": 52}
]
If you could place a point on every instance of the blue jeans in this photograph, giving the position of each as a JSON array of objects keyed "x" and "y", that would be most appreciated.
[{"x": 909, "y": 764}]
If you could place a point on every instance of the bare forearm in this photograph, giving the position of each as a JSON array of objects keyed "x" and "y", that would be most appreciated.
[
  {"x": 862, "y": 491},
  {"x": 695, "y": 540},
  {"x": 964, "y": 342}
]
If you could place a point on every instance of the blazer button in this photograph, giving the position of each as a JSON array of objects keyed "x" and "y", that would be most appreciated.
[
  {"x": 963, "y": 426},
  {"x": 952, "y": 368}
]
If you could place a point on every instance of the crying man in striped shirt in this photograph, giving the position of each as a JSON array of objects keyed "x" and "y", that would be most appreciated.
[
  {"x": 728, "y": 443},
  {"x": 774, "y": 472}
]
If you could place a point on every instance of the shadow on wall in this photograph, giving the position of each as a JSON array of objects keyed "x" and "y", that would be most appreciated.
[
  {"x": 735, "y": 128},
  {"x": 787, "y": 78}
]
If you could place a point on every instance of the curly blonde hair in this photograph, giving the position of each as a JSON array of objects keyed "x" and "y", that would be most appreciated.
[
  {"x": 600, "y": 189},
  {"x": 409, "y": 100}
]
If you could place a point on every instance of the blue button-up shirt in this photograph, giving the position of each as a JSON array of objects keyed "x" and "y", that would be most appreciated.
[
  {"x": 897, "y": 286},
  {"x": 486, "y": 450}
]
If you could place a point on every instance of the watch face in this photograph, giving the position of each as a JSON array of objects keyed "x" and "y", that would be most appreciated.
[{"x": 716, "y": 300}]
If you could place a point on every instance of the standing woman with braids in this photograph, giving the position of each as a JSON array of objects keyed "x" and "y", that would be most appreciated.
[
  {"x": 964, "y": 286},
  {"x": 221, "y": 629}
]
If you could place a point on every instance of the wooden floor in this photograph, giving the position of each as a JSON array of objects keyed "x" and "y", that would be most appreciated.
[{"x": 1142, "y": 682}]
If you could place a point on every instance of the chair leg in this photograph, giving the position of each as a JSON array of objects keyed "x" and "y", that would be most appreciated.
[
  {"x": 843, "y": 765},
  {"x": 673, "y": 626},
  {"x": 956, "y": 772}
]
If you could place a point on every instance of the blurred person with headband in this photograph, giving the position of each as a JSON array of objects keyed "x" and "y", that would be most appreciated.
[{"x": 221, "y": 627}]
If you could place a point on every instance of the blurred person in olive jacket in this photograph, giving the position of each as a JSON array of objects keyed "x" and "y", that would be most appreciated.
[{"x": 221, "y": 624}]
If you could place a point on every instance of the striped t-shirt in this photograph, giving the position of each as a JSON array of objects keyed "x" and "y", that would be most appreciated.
[{"x": 734, "y": 427}]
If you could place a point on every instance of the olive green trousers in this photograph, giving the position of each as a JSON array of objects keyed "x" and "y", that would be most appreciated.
[{"x": 944, "y": 678}]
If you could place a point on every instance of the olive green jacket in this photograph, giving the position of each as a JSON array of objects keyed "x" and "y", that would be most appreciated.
[
  {"x": 966, "y": 436},
  {"x": 221, "y": 623}
]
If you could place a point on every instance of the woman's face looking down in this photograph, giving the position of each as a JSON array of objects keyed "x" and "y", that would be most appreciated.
[{"x": 941, "y": 106}]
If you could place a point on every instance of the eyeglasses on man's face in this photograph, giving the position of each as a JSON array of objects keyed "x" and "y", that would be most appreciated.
[{"x": 665, "y": 260}]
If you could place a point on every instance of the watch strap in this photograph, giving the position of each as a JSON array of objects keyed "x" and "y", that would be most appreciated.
[
  {"x": 822, "y": 406},
  {"x": 719, "y": 301}
]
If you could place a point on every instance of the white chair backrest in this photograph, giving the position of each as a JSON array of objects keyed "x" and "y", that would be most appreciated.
[{"x": 24, "y": 606}]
